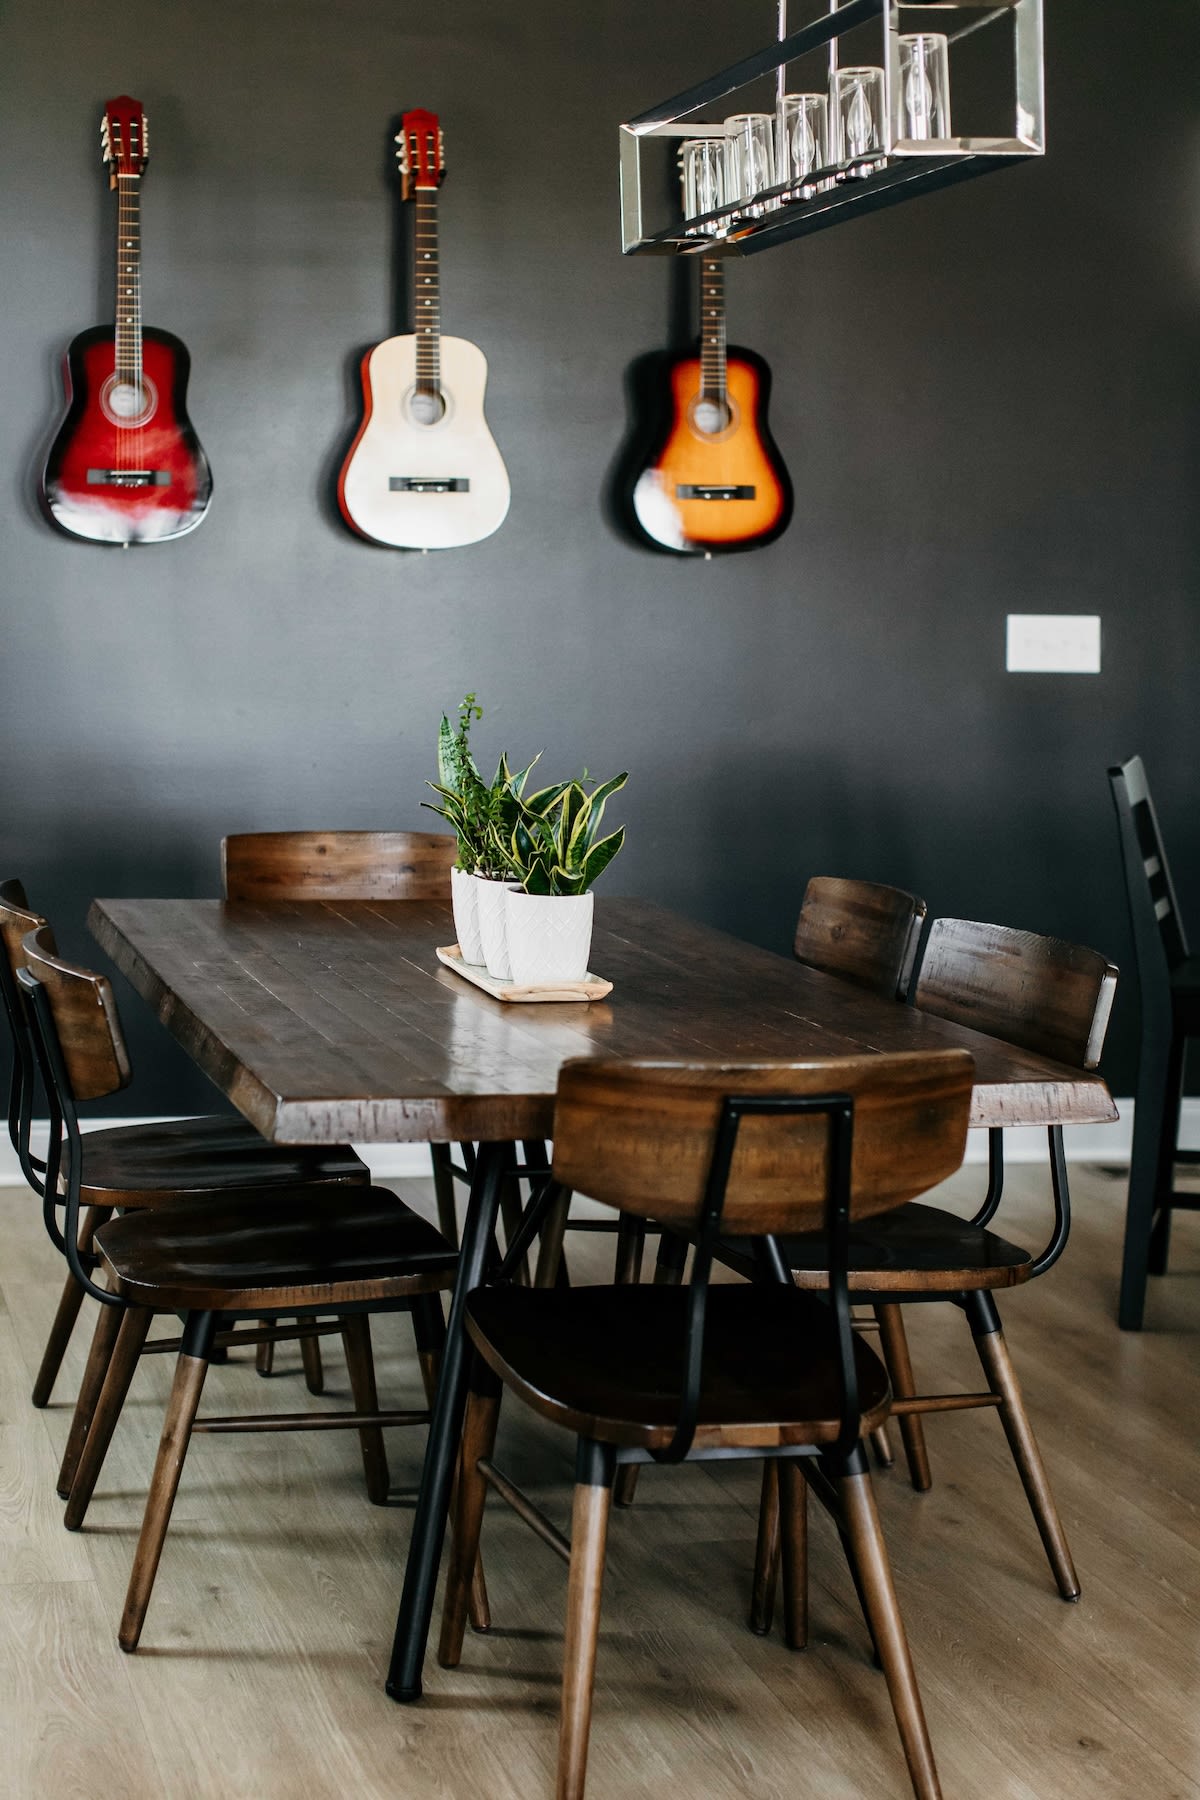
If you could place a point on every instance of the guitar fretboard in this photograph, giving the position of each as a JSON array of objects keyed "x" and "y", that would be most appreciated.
[
  {"x": 129, "y": 280},
  {"x": 712, "y": 329},
  {"x": 427, "y": 321}
]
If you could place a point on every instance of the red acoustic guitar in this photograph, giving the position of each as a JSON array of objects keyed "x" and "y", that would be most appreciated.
[
  {"x": 714, "y": 479},
  {"x": 126, "y": 466}
]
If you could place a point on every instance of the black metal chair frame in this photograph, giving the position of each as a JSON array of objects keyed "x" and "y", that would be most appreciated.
[
  {"x": 822, "y": 1464},
  {"x": 1160, "y": 947}
]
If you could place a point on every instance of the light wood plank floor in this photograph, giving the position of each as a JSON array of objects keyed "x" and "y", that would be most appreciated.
[{"x": 268, "y": 1634}]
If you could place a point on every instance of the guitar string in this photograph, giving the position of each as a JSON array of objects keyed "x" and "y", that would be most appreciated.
[
  {"x": 713, "y": 381},
  {"x": 427, "y": 310}
]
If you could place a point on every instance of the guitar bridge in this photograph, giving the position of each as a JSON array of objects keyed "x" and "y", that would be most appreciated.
[
  {"x": 699, "y": 490},
  {"x": 428, "y": 484},
  {"x": 129, "y": 478}
]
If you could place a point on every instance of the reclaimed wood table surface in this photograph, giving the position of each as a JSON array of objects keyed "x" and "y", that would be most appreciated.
[{"x": 331, "y": 1022}]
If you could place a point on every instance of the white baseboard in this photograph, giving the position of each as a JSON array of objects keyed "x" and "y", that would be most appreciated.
[{"x": 1107, "y": 1144}]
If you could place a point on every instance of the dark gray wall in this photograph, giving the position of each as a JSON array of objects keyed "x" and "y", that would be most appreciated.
[{"x": 988, "y": 400}]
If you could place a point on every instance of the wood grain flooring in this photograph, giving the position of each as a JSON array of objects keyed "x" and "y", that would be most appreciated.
[{"x": 267, "y": 1638}]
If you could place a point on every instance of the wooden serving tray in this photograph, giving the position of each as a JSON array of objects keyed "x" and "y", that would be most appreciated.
[{"x": 590, "y": 988}]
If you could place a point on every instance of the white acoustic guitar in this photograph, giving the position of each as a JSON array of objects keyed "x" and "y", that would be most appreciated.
[{"x": 424, "y": 472}]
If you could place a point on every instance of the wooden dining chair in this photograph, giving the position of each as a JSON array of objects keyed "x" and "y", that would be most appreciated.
[
  {"x": 660, "y": 1374},
  {"x": 1054, "y": 999},
  {"x": 349, "y": 865},
  {"x": 862, "y": 931},
  {"x": 1169, "y": 988},
  {"x": 304, "y": 1252},
  {"x": 133, "y": 1166}
]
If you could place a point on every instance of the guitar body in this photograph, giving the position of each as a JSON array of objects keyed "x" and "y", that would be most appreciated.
[
  {"x": 718, "y": 489},
  {"x": 137, "y": 479},
  {"x": 423, "y": 484}
]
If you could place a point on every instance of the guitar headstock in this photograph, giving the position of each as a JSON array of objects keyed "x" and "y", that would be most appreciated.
[
  {"x": 420, "y": 153},
  {"x": 124, "y": 138}
]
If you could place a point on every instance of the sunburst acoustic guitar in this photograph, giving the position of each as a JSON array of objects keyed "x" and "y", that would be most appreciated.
[
  {"x": 714, "y": 480},
  {"x": 423, "y": 472},
  {"x": 126, "y": 466}
]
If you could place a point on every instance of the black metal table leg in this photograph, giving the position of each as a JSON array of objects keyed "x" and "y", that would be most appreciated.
[{"x": 445, "y": 1431}]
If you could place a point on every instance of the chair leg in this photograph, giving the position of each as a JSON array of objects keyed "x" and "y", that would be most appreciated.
[
  {"x": 356, "y": 1340},
  {"x": 881, "y": 1444},
  {"x": 314, "y": 1369},
  {"x": 894, "y": 1343},
  {"x": 264, "y": 1354},
  {"x": 68, "y": 1311},
  {"x": 198, "y": 1332},
  {"x": 1002, "y": 1379},
  {"x": 874, "y": 1577},
  {"x": 589, "y": 1536},
  {"x": 429, "y": 1328},
  {"x": 668, "y": 1272},
  {"x": 550, "y": 1242},
  {"x": 104, "y": 1338},
  {"x": 793, "y": 1506},
  {"x": 134, "y": 1325},
  {"x": 479, "y": 1439},
  {"x": 1150, "y": 1106},
  {"x": 443, "y": 1187},
  {"x": 1168, "y": 1139},
  {"x": 767, "y": 1551}
]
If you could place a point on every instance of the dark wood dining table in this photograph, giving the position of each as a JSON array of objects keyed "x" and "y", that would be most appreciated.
[{"x": 331, "y": 1022}]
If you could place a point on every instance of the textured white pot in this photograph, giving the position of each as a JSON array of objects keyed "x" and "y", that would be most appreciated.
[
  {"x": 464, "y": 893},
  {"x": 549, "y": 936},
  {"x": 493, "y": 932}
]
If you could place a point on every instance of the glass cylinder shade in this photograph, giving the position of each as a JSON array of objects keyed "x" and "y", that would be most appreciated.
[
  {"x": 750, "y": 158},
  {"x": 921, "y": 102},
  {"x": 702, "y": 174},
  {"x": 802, "y": 136},
  {"x": 856, "y": 115}
]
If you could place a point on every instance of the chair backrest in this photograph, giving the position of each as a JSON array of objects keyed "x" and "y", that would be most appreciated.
[
  {"x": 1040, "y": 993},
  {"x": 17, "y": 918},
  {"x": 85, "y": 1019},
  {"x": 1148, "y": 883},
  {"x": 861, "y": 930},
  {"x": 640, "y": 1136},
  {"x": 337, "y": 865}
]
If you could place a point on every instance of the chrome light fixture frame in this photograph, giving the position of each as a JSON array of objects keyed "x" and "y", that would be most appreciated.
[{"x": 901, "y": 168}]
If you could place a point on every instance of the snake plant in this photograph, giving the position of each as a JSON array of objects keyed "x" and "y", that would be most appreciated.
[{"x": 553, "y": 847}]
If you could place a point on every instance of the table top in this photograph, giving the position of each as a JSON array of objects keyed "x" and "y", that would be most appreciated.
[{"x": 333, "y": 1022}]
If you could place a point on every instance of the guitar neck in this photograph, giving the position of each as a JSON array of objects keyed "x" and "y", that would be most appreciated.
[
  {"x": 129, "y": 280},
  {"x": 712, "y": 329},
  {"x": 427, "y": 306}
]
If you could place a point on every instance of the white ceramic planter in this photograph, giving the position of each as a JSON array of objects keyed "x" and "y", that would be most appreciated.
[
  {"x": 493, "y": 926},
  {"x": 549, "y": 936},
  {"x": 464, "y": 893}
]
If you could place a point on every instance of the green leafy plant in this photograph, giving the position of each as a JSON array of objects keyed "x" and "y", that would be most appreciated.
[
  {"x": 481, "y": 815},
  {"x": 553, "y": 847}
]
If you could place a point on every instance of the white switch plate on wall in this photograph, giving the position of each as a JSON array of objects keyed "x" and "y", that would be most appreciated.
[{"x": 1053, "y": 644}]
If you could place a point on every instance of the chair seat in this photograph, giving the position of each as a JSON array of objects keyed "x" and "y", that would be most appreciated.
[
  {"x": 296, "y": 1249},
  {"x": 606, "y": 1362},
  {"x": 162, "y": 1163},
  {"x": 913, "y": 1249}
]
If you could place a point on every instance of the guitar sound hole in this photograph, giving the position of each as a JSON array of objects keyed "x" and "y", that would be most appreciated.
[
  {"x": 127, "y": 403},
  {"x": 710, "y": 417},
  {"x": 427, "y": 409}
]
